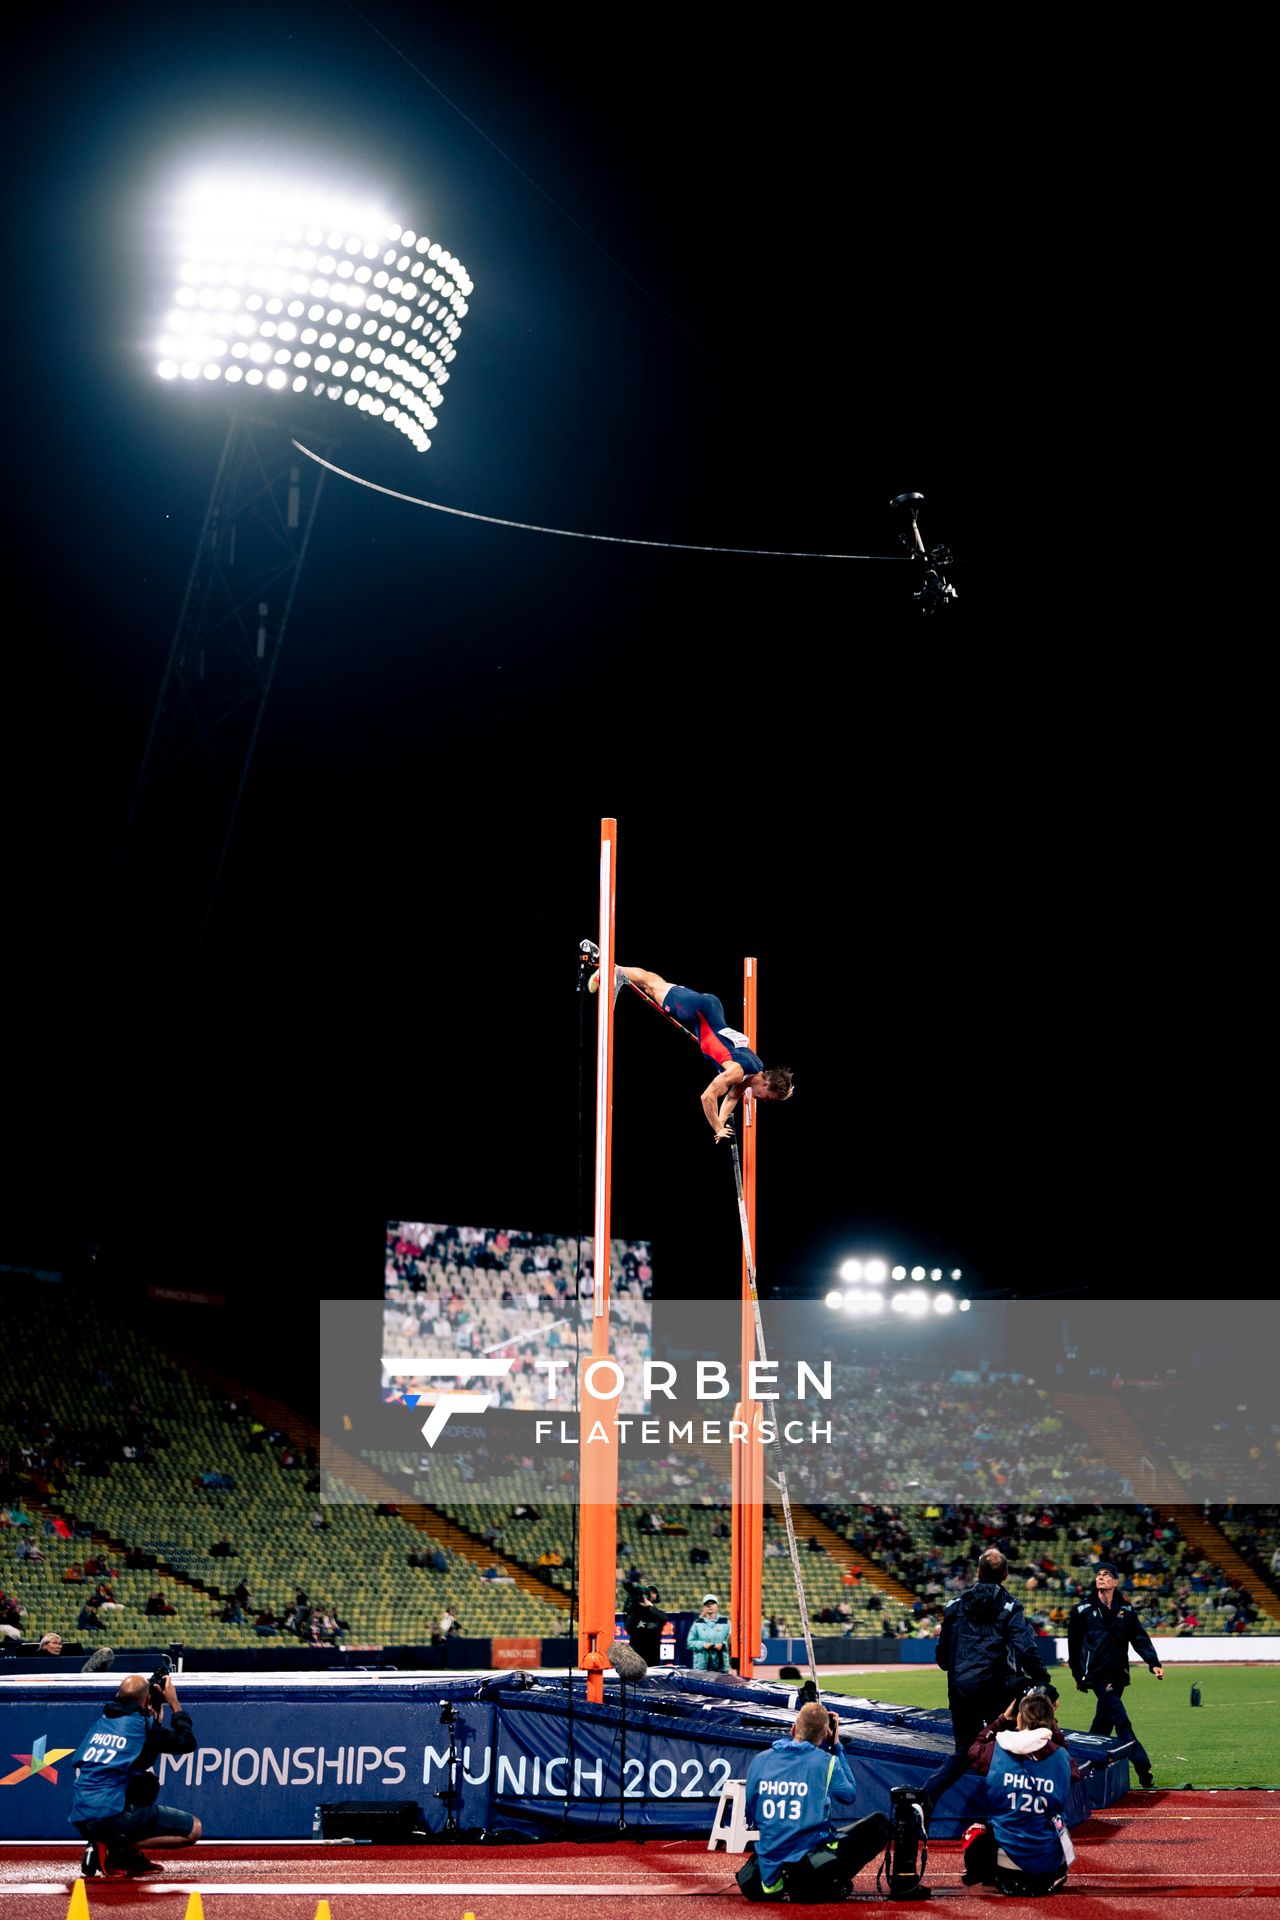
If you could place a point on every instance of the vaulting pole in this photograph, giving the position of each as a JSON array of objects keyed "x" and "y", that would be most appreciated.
[
  {"x": 747, "y": 1552},
  {"x": 598, "y": 1395}
]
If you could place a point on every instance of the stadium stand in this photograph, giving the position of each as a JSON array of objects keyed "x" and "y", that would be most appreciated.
[{"x": 123, "y": 1453}]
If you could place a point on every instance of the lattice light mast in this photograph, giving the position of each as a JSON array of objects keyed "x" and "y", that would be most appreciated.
[{"x": 287, "y": 298}]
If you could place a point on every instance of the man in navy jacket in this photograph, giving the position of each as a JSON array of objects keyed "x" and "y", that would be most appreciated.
[
  {"x": 1100, "y": 1632},
  {"x": 798, "y": 1792},
  {"x": 114, "y": 1803},
  {"x": 985, "y": 1648}
]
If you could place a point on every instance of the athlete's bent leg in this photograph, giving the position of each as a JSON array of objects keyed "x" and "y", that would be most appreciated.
[{"x": 651, "y": 983}]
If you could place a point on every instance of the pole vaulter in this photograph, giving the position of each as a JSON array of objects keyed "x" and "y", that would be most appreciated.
[{"x": 751, "y": 1302}]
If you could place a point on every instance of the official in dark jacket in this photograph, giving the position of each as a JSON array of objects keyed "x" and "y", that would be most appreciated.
[
  {"x": 113, "y": 1804},
  {"x": 1100, "y": 1632},
  {"x": 986, "y": 1648},
  {"x": 645, "y": 1621}
]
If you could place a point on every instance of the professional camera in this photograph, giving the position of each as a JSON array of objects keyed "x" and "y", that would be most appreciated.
[
  {"x": 1042, "y": 1690},
  {"x": 907, "y": 1854},
  {"x": 157, "y": 1684}
]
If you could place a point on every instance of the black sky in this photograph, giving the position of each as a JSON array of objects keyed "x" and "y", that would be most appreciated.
[{"x": 918, "y": 827}]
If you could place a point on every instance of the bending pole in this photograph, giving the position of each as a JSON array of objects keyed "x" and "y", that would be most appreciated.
[
  {"x": 747, "y": 1549},
  {"x": 781, "y": 1479},
  {"x": 750, "y": 1266},
  {"x": 598, "y": 1397}
]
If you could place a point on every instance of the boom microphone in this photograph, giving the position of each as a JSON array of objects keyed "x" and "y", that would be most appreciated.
[
  {"x": 626, "y": 1662},
  {"x": 100, "y": 1657}
]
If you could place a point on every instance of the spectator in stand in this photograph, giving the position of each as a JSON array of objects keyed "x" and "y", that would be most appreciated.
[
  {"x": 158, "y": 1605},
  {"x": 51, "y": 1644},
  {"x": 221, "y": 1549},
  {"x": 28, "y": 1550},
  {"x": 12, "y": 1614}
]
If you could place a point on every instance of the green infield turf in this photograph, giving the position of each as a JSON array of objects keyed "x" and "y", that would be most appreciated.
[{"x": 1231, "y": 1740}]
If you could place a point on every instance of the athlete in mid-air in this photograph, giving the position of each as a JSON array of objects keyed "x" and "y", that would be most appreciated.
[{"x": 740, "y": 1070}]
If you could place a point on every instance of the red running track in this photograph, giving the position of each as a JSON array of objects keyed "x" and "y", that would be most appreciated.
[{"x": 1157, "y": 1856}]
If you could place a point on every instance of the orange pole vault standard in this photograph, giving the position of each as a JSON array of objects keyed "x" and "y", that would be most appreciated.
[
  {"x": 747, "y": 1547},
  {"x": 601, "y": 1379}
]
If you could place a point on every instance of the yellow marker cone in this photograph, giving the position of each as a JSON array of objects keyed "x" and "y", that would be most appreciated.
[
  {"x": 195, "y": 1907},
  {"x": 322, "y": 1911},
  {"x": 79, "y": 1908}
]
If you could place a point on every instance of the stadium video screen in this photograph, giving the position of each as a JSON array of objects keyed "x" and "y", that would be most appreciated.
[{"x": 505, "y": 1297}]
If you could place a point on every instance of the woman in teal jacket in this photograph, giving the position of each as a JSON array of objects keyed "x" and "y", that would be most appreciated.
[{"x": 709, "y": 1638}]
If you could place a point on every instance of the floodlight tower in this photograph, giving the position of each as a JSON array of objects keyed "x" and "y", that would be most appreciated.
[{"x": 281, "y": 291}]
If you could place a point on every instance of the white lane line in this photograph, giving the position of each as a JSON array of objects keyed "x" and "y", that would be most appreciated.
[{"x": 331, "y": 1889}]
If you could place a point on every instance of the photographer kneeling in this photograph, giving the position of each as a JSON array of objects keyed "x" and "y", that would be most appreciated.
[
  {"x": 114, "y": 1803},
  {"x": 709, "y": 1638},
  {"x": 1023, "y": 1847},
  {"x": 798, "y": 1790}
]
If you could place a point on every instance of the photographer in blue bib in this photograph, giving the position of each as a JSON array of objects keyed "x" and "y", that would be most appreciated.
[
  {"x": 113, "y": 1806},
  {"x": 800, "y": 1793},
  {"x": 1022, "y": 1847}
]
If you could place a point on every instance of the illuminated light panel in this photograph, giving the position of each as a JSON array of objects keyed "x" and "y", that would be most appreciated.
[{"x": 250, "y": 252}]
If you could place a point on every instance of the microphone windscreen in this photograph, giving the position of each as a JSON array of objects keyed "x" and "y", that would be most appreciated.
[
  {"x": 100, "y": 1657},
  {"x": 626, "y": 1662}
]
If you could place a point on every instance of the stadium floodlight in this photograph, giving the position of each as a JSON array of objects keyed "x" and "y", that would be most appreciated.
[
  {"x": 944, "y": 1303},
  {"x": 876, "y": 1273},
  {"x": 853, "y": 1300},
  {"x": 916, "y": 1305},
  {"x": 935, "y": 1273},
  {"x": 253, "y": 251},
  {"x": 964, "y": 1306},
  {"x": 917, "y": 1273},
  {"x": 955, "y": 1273},
  {"x": 899, "y": 1302},
  {"x": 835, "y": 1298},
  {"x": 851, "y": 1270},
  {"x": 899, "y": 1273},
  {"x": 873, "y": 1303}
]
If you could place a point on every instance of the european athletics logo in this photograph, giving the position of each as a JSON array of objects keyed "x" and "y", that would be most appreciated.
[{"x": 40, "y": 1764}]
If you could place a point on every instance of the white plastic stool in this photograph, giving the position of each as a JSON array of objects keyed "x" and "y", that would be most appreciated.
[{"x": 734, "y": 1830}]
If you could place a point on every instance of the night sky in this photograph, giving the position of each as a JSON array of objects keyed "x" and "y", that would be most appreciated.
[{"x": 790, "y": 270}]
